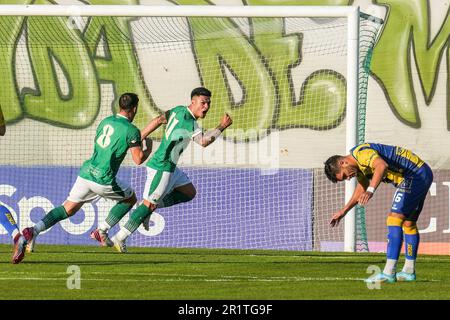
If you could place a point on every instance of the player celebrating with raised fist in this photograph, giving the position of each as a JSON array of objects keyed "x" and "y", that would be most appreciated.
[{"x": 167, "y": 185}]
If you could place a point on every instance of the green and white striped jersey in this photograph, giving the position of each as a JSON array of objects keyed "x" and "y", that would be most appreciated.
[
  {"x": 180, "y": 129},
  {"x": 114, "y": 136}
]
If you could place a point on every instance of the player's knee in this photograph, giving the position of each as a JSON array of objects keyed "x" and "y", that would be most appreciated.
[
  {"x": 410, "y": 227},
  {"x": 151, "y": 206},
  {"x": 188, "y": 192},
  {"x": 190, "y": 195},
  {"x": 131, "y": 200},
  {"x": 392, "y": 221},
  {"x": 72, "y": 207}
]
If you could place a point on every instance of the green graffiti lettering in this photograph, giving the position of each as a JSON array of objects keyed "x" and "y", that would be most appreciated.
[
  {"x": 327, "y": 86},
  {"x": 282, "y": 53},
  {"x": 66, "y": 93},
  {"x": 406, "y": 28},
  {"x": 119, "y": 65},
  {"x": 10, "y": 27},
  {"x": 224, "y": 52}
]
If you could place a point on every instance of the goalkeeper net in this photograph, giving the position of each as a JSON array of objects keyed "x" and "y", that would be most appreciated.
[{"x": 283, "y": 80}]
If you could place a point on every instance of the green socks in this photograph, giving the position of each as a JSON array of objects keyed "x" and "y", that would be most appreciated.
[
  {"x": 137, "y": 217},
  {"x": 143, "y": 211},
  {"x": 54, "y": 216},
  {"x": 117, "y": 212}
]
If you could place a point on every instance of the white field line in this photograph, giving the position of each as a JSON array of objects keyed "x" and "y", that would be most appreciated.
[
  {"x": 181, "y": 279},
  {"x": 172, "y": 277},
  {"x": 196, "y": 276},
  {"x": 177, "y": 277}
]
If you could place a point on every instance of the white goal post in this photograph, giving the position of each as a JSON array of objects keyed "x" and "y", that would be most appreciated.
[{"x": 351, "y": 13}]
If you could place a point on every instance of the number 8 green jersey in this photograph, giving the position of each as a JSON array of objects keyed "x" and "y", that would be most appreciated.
[
  {"x": 114, "y": 136},
  {"x": 181, "y": 127}
]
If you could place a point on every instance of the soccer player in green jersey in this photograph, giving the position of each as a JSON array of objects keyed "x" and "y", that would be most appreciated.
[
  {"x": 97, "y": 177},
  {"x": 7, "y": 220},
  {"x": 166, "y": 184}
]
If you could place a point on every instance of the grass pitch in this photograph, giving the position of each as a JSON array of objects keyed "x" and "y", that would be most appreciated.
[{"x": 209, "y": 274}]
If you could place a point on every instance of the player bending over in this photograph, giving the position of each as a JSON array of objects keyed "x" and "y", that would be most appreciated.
[
  {"x": 372, "y": 163},
  {"x": 167, "y": 185}
]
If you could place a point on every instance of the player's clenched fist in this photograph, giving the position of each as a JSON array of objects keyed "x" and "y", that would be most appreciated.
[{"x": 226, "y": 121}]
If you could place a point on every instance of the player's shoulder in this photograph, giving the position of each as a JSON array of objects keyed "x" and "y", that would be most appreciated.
[
  {"x": 183, "y": 113},
  {"x": 105, "y": 121},
  {"x": 361, "y": 151},
  {"x": 362, "y": 147},
  {"x": 109, "y": 118},
  {"x": 179, "y": 110},
  {"x": 131, "y": 126},
  {"x": 118, "y": 123}
]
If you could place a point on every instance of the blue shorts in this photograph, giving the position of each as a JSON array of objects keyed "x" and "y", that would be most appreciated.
[{"x": 411, "y": 193}]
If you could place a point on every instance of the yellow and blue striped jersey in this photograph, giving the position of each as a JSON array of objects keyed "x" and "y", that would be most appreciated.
[{"x": 401, "y": 162}]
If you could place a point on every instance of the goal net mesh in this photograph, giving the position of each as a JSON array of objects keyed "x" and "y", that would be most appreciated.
[{"x": 260, "y": 185}]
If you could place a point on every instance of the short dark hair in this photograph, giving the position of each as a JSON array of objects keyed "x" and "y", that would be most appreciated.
[
  {"x": 128, "y": 101},
  {"x": 332, "y": 167},
  {"x": 200, "y": 91}
]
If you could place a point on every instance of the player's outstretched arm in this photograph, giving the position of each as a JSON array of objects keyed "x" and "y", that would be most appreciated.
[
  {"x": 142, "y": 152},
  {"x": 360, "y": 188},
  {"x": 210, "y": 136},
  {"x": 154, "y": 124}
]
